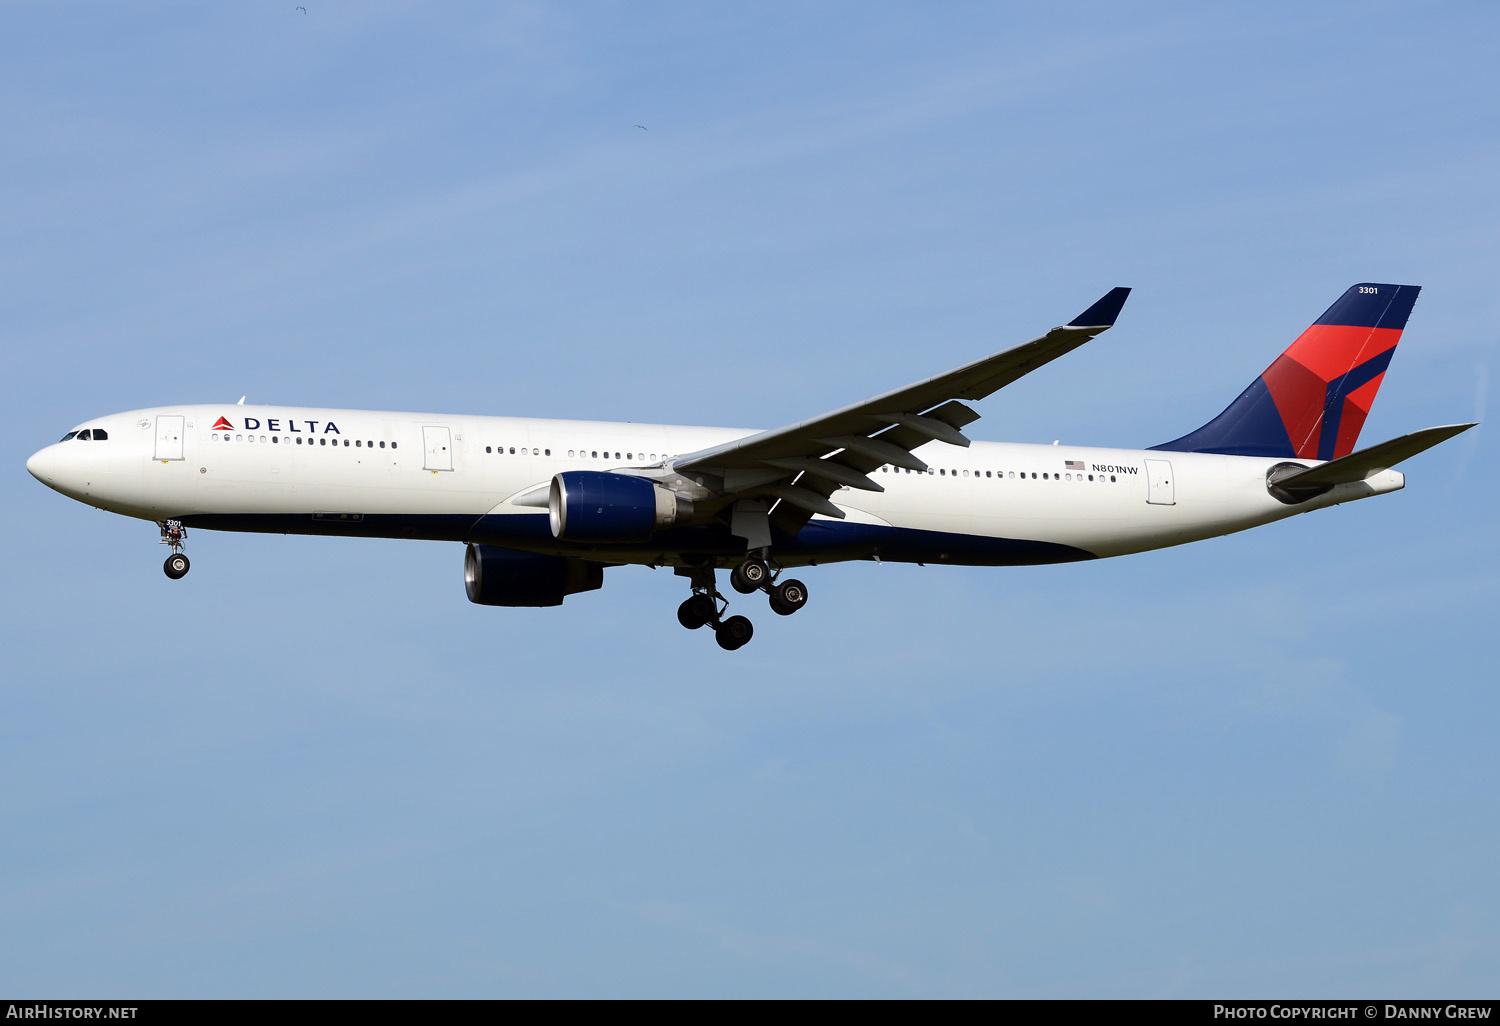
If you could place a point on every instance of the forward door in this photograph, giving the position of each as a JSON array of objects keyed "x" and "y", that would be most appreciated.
[{"x": 169, "y": 436}]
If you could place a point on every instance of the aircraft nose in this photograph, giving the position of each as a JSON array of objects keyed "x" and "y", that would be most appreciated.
[{"x": 40, "y": 465}]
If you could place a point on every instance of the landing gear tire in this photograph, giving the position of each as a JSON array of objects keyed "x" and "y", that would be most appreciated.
[
  {"x": 695, "y": 612},
  {"x": 734, "y": 632},
  {"x": 176, "y": 566},
  {"x": 788, "y": 597},
  {"x": 750, "y": 575}
]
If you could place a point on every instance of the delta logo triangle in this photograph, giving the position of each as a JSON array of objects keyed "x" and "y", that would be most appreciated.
[{"x": 223, "y": 425}]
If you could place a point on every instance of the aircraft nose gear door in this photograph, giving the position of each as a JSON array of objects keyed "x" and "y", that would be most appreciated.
[
  {"x": 169, "y": 437},
  {"x": 1159, "y": 477},
  {"x": 439, "y": 445}
]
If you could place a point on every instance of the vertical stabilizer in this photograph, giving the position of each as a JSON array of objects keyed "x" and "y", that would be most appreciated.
[{"x": 1311, "y": 403}]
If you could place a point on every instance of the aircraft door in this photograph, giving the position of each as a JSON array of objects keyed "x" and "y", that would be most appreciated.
[
  {"x": 169, "y": 436},
  {"x": 1159, "y": 481},
  {"x": 438, "y": 443}
]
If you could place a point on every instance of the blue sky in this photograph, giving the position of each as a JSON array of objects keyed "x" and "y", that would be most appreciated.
[{"x": 1258, "y": 766}]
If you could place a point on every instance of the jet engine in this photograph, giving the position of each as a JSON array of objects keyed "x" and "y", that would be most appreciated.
[
  {"x": 595, "y": 506},
  {"x": 504, "y": 577}
]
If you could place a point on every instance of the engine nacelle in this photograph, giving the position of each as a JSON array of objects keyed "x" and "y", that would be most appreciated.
[
  {"x": 596, "y": 506},
  {"x": 504, "y": 577}
]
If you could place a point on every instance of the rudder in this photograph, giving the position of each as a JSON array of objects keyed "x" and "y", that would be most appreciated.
[{"x": 1312, "y": 401}]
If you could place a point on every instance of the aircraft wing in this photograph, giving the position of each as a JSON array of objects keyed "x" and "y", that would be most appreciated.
[{"x": 804, "y": 463}]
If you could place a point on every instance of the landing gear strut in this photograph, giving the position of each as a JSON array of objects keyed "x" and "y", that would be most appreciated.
[
  {"x": 706, "y": 607},
  {"x": 177, "y": 565}
]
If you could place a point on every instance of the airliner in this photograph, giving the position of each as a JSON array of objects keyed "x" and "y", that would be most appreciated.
[{"x": 544, "y": 507}]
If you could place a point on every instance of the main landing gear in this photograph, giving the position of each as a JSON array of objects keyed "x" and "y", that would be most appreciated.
[
  {"x": 177, "y": 565},
  {"x": 706, "y": 606}
]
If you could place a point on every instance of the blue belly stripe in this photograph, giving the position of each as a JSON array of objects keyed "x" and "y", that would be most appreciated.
[{"x": 818, "y": 540}]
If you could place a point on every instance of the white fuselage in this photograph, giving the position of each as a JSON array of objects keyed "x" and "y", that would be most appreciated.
[{"x": 358, "y": 472}]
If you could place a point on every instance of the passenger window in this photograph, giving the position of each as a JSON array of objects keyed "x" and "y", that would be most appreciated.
[
  {"x": 393, "y": 445},
  {"x": 595, "y": 454},
  {"x": 488, "y": 449},
  {"x": 322, "y": 441},
  {"x": 382, "y": 445},
  {"x": 299, "y": 439},
  {"x": 546, "y": 452},
  {"x": 275, "y": 439},
  {"x": 513, "y": 450}
]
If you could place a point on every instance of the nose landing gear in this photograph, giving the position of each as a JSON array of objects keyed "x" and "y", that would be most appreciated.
[{"x": 177, "y": 565}]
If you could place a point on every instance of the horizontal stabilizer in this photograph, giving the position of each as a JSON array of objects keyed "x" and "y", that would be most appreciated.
[{"x": 1303, "y": 484}]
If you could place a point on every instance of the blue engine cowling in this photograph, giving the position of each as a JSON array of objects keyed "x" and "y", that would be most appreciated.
[
  {"x": 595, "y": 506},
  {"x": 504, "y": 577}
]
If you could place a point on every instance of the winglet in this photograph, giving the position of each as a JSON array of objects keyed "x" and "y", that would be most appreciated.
[{"x": 1103, "y": 313}]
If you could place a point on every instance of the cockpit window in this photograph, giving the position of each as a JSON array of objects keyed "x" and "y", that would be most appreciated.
[
  {"x": 100, "y": 435},
  {"x": 66, "y": 437},
  {"x": 83, "y": 436}
]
